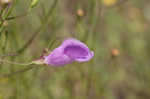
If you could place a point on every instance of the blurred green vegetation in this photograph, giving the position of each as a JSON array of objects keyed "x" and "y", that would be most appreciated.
[{"x": 116, "y": 30}]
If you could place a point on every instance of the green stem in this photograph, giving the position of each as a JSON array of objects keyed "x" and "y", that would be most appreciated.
[
  {"x": 16, "y": 72},
  {"x": 6, "y": 15},
  {"x": 15, "y": 63},
  {"x": 42, "y": 26}
]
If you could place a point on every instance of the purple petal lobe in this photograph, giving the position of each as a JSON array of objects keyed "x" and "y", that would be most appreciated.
[
  {"x": 75, "y": 51},
  {"x": 57, "y": 58},
  {"x": 86, "y": 58}
]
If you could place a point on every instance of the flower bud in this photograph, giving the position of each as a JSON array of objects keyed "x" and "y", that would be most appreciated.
[
  {"x": 5, "y": 2},
  {"x": 115, "y": 52},
  {"x": 80, "y": 12},
  {"x": 5, "y": 23}
]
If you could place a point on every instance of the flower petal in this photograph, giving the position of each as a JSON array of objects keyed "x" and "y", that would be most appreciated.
[
  {"x": 77, "y": 50},
  {"x": 84, "y": 59},
  {"x": 57, "y": 58}
]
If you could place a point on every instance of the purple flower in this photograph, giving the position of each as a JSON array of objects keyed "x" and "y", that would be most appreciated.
[{"x": 70, "y": 50}]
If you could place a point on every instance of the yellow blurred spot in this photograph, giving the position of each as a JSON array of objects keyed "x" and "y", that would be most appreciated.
[
  {"x": 3, "y": 80},
  {"x": 1, "y": 96},
  {"x": 109, "y": 2}
]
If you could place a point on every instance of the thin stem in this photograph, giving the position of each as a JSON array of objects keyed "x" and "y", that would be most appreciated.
[
  {"x": 15, "y": 63},
  {"x": 51, "y": 43},
  {"x": 9, "y": 54},
  {"x": 8, "y": 12},
  {"x": 14, "y": 17},
  {"x": 17, "y": 72},
  {"x": 1, "y": 12},
  {"x": 43, "y": 25}
]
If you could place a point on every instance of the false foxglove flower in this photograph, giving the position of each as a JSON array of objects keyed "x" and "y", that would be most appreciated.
[{"x": 70, "y": 50}]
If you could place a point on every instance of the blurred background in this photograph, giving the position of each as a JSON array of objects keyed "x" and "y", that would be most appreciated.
[{"x": 116, "y": 30}]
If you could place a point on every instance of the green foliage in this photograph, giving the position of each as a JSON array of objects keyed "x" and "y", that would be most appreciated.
[
  {"x": 116, "y": 30},
  {"x": 34, "y": 3}
]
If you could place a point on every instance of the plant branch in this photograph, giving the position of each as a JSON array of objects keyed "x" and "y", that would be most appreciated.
[
  {"x": 17, "y": 72},
  {"x": 43, "y": 25}
]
